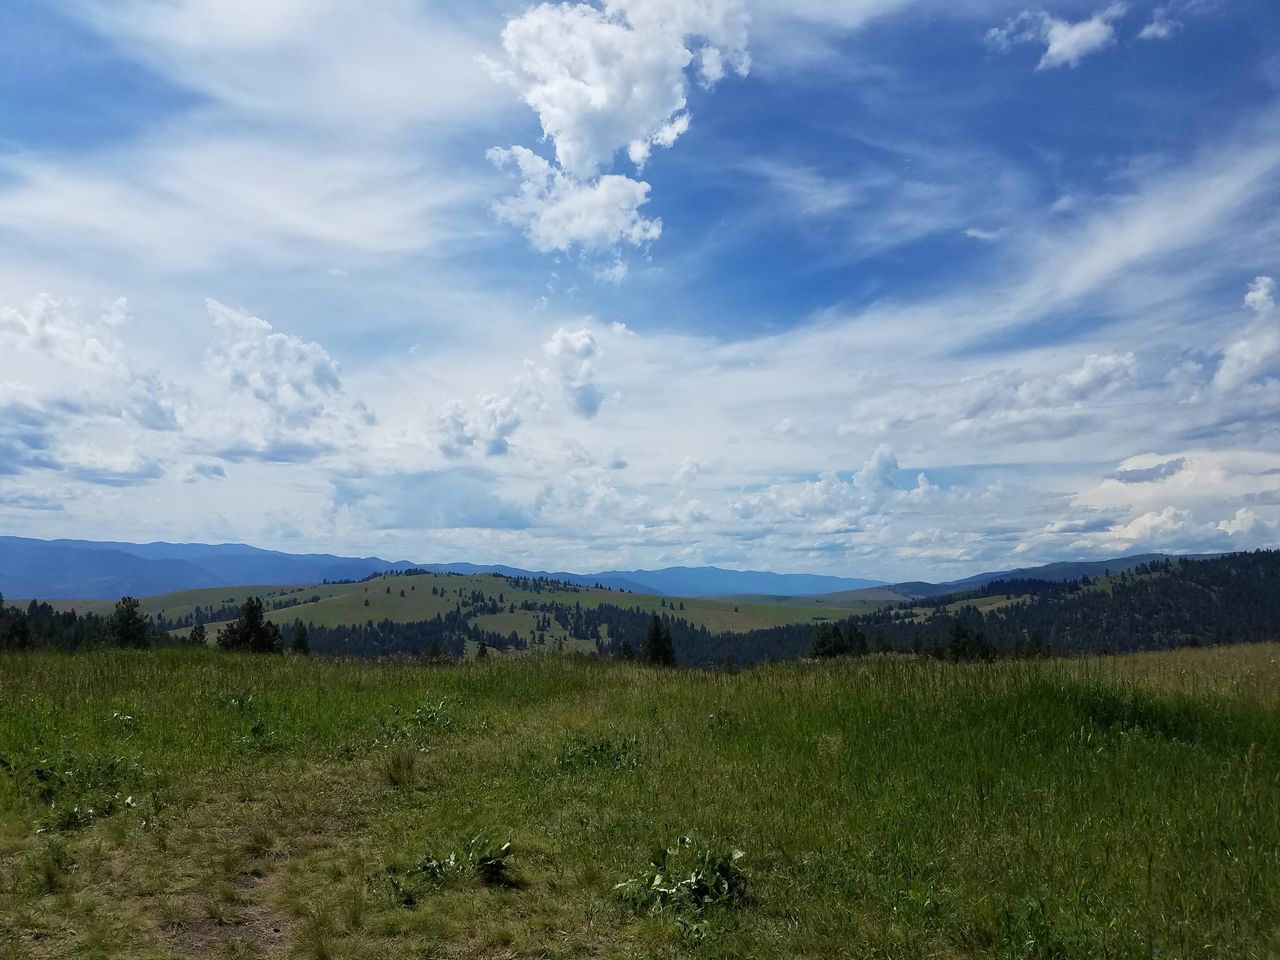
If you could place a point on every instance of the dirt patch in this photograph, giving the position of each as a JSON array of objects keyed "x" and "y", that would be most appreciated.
[{"x": 255, "y": 932}]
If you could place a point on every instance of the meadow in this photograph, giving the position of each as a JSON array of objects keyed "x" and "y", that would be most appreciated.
[{"x": 189, "y": 803}]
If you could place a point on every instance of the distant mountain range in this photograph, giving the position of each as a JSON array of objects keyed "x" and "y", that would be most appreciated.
[{"x": 104, "y": 570}]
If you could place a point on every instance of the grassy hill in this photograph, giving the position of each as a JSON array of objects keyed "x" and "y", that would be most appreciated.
[
  {"x": 191, "y": 804},
  {"x": 426, "y": 595}
]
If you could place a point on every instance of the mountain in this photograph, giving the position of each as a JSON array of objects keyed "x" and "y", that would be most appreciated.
[
  {"x": 718, "y": 582},
  {"x": 35, "y": 568},
  {"x": 104, "y": 570}
]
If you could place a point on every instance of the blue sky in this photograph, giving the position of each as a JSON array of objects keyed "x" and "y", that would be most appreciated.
[{"x": 887, "y": 288}]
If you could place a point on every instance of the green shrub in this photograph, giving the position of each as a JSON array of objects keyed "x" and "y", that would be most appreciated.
[
  {"x": 482, "y": 860},
  {"x": 685, "y": 880}
]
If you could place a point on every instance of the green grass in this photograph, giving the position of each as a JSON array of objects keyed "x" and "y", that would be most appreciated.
[{"x": 196, "y": 804}]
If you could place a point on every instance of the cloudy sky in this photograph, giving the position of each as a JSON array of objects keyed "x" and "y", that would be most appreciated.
[{"x": 885, "y": 288}]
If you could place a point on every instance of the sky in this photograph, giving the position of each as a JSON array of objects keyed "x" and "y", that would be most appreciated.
[{"x": 881, "y": 288}]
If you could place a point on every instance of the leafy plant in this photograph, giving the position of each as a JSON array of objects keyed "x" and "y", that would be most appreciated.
[
  {"x": 75, "y": 789},
  {"x": 686, "y": 880},
  {"x": 482, "y": 859}
]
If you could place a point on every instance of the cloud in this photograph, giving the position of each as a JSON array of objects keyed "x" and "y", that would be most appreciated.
[
  {"x": 195, "y": 197},
  {"x": 67, "y": 376},
  {"x": 1160, "y": 471},
  {"x": 205, "y": 471},
  {"x": 1066, "y": 43},
  {"x": 603, "y": 80},
  {"x": 283, "y": 397},
  {"x": 1257, "y": 350},
  {"x": 571, "y": 354},
  {"x": 1039, "y": 406},
  {"x": 427, "y": 500},
  {"x": 322, "y": 61},
  {"x": 1161, "y": 27},
  {"x": 558, "y": 212},
  {"x": 488, "y": 425}
]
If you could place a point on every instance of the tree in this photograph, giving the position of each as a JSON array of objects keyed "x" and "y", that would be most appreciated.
[
  {"x": 828, "y": 641},
  {"x": 482, "y": 652},
  {"x": 127, "y": 627},
  {"x": 625, "y": 651},
  {"x": 298, "y": 639},
  {"x": 658, "y": 648},
  {"x": 251, "y": 631},
  {"x": 198, "y": 635}
]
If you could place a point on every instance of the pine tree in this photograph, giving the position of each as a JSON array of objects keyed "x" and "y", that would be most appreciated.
[
  {"x": 251, "y": 631},
  {"x": 658, "y": 648},
  {"x": 127, "y": 627},
  {"x": 298, "y": 641}
]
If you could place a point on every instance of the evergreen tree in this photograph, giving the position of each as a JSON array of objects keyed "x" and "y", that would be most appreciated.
[
  {"x": 298, "y": 639},
  {"x": 828, "y": 641},
  {"x": 127, "y": 627},
  {"x": 625, "y": 651},
  {"x": 251, "y": 631},
  {"x": 658, "y": 648},
  {"x": 198, "y": 636}
]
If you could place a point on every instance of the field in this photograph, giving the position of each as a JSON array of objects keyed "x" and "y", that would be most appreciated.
[
  {"x": 332, "y": 605},
  {"x": 188, "y": 803}
]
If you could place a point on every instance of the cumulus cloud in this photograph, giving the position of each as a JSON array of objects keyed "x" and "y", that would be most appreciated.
[
  {"x": 487, "y": 426},
  {"x": 284, "y": 397},
  {"x": 571, "y": 353},
  {"x": 1065, "y": 43},
  {"x": 603, "y": 80},
  {"x": 557, "y": 212},
  {"x": 1256, "y": 351},
  {"x": 67, "y": 373}
]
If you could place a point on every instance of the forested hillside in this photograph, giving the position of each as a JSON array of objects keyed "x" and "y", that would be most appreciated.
[{"x": 1158, "y": 605}]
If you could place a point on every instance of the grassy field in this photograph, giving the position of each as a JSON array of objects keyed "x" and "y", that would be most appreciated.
[
  {"x": 332, "y": 605},
  {"x": 183, "y": 803}
]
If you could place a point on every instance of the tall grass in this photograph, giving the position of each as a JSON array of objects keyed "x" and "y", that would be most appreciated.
[{"x": 885, "y": 807}]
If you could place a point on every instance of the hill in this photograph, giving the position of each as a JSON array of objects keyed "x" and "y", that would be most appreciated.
[
  {"x": 1056, "y": 572},
  {"x": 1161, "y": 604},
  {"x": 191, "y": 804}
]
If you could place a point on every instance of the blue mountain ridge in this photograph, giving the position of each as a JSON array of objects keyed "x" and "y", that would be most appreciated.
[{"x": 104, "y": 570}]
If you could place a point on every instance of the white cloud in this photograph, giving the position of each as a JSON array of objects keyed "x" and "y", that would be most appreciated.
[
  {"x": 603, "y": 80},
  {"x": 1244, "y": 521},
  {"x": 488, "y": 425},
  {"x": 1066, "y": 43},
  {"x": 571, "y": 354},
  {"x": 322, "y": 61},
  {"x": 1161, "y": 27},
  {"x": 1257, "y": 350},
  {"x": 282, "y": 396},
  {"x": 69, "y": 382},
  {"x": 557, "y": 212}
]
